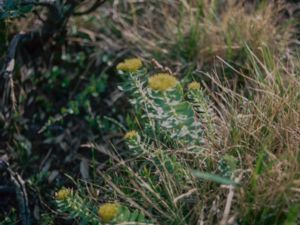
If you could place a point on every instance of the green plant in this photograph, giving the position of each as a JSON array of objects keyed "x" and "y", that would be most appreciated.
[
  {"x": 78, "y": 208},
  {"x": 160, "y": 102},
  {"x": 168, "y": 145}
]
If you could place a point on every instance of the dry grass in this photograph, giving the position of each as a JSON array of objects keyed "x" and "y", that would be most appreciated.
[
  {"x": 181, "y": 32},
  {"x": 262, "y": 130}
]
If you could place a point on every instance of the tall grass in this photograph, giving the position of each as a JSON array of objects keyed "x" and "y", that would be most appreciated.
[
  {"x": 194, "y": 32},
  {"x": 262, "y": 131}
]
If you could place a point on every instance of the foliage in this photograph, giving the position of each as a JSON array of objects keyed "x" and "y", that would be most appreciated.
[
  {"x": 85, "y": 212},
  {"x": 166, "y": 110}
]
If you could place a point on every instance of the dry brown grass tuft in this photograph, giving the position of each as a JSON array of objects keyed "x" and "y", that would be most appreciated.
[
  {"x": 185, "y": 31},
  {"x": 263, "y": 130}
]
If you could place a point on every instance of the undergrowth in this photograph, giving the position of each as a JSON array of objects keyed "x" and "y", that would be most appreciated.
[
  {"x": 185, "y": 164},
  {"x": 202, "y": 128}
]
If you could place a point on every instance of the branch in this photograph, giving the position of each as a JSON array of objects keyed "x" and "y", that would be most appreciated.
[
  {"x": 10, "y": 60},
  {"x": 55, "y": 22},
  {"x": 8, "y": 68},
  {"x": 21, "y": 193}
]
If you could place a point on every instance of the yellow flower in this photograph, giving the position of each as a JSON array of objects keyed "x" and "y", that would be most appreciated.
[
  {"x": 194, "y": 85},
  {"x": 130, "y": 65},
  {"x": 108, "y": 211},
  {"x": 63, "y": 194},
  {"x": 131, "y": 134},
  {"x": 162, "y": 82}
]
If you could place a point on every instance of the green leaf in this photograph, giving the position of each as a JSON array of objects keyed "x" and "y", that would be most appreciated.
[
  {"x": 214, "y": 178},
  {"x": 134, "y": 215}
]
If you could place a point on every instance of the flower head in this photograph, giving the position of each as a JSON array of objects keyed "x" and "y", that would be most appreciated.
[
  {"x": 130, "y": 65},
  {"x": 162, "y": 82},
  {"x": 194, "y": 85},
  {"x": 108, "y": 211},
  {"x": 63, "y": 194},
  {"x": 131, "y": 134}
]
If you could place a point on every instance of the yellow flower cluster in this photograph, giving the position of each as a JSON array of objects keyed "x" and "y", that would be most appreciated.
[
  {"x": 63, "y": 194},
  {"x": 162, "y": 82},
  {"x": 108, "y": 211},
  {"x": 194, "y": 85},
  {"x": 130, "y": 134},
  {"x": 130, "y": 65}
]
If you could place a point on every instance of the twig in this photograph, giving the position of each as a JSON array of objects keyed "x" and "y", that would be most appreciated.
[
  {"x": 230, "y": 196},
  {"x": 228, "y": 205},
  {"x": 8, "y": 69},
  {"x": 187, "y": 194},
  {"x": 156, "y": 64},
  {"x": 9, "y": 66},
  {"x": 54, "y": 23},
  {"x": 21, "y": 193}
]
